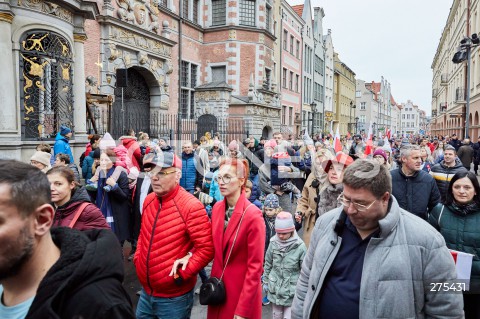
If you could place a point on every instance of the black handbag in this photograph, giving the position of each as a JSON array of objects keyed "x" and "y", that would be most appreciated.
[{"x": 212, "y": 292}]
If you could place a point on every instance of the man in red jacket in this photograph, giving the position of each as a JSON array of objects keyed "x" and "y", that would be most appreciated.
[{"x": 175, "y": 231}]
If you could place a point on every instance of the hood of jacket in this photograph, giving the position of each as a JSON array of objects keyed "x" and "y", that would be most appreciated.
[
  {"x": 79, "y": 196},
  {"x": 85, "y": 258},
  {"x": 60, "y": 137},
  {"x": 458, "y": 164}
]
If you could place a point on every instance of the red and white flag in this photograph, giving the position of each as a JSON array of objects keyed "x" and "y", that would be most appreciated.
[
  {"x": 369, "y": 147},
  {"x": 389, "y": 133},
  {"x": 337, "y": 144},
  {"x": 463, "y": 265}
]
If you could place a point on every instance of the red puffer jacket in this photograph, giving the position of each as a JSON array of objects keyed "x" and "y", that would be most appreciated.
[{"x": 172, "y": 226}]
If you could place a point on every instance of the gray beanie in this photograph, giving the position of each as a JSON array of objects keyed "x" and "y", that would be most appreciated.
[{"x": 284, "y": 223}]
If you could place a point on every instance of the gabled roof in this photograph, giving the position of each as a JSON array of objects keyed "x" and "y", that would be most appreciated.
[
  {"x": 392, "y": 100},
  {"x": 298, "y": 9}
]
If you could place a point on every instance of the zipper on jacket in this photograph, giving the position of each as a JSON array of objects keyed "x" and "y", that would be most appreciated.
[{"x": 150, "y": 246}]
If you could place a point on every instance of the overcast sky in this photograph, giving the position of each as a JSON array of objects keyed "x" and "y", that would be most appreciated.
[{"x": 396, "y": 39}]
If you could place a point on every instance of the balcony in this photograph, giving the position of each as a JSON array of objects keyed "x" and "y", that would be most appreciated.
[
  {"x": 460, "y": 95},
  {"x": 434, "y": 93},
  {"x": 434, "y": 113},
  {"x": 443, "y": 107},
  {"x": 444, "y": 79}
]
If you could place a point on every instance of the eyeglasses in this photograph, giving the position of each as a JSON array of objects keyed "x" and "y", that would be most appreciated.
[
  {"x": 225, "y": 179},
  {"x": 359, "y": 207},
  {"x": 159, "y": 174}
]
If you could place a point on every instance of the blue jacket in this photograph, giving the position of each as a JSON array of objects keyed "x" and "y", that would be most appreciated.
[
  {"x": 214, "y": 190},
  {"x": 189, "y": 172},
  {"x": 62, "y": 146},
  {"x": 87, "y": 166},
  {"x": 416, "y": 194}
]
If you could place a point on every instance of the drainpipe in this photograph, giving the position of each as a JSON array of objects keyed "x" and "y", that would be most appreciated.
[
  {"x": 179, "y": 117},
  {"x": 280, "y": 65}
]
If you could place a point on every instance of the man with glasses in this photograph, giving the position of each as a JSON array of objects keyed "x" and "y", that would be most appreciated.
[
  {"x": 370, "y": 258},
  {"x": 175, "y": 243},
  {"x": 414, "y": 189}
]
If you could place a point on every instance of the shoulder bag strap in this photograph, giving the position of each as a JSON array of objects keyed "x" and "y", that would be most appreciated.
[
  {"x": 234, "y": 239},
  {"x": 78, "y": 213},
  {"x": 440, "y": 216}
]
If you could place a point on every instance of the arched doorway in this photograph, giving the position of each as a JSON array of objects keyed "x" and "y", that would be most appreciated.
[
  {"x": 267, "y": 132},
  {"x": 135, "y": 113},
  {"x": 207, "y": 123}
]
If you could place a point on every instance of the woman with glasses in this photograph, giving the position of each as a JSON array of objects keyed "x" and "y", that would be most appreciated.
[
  {"x": 238, "y": 223},
  {"x": 458, "y": 220}
]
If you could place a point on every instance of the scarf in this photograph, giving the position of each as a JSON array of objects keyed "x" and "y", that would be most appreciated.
[
  {"x": 103, "y": 198},
  {"x": 283, "y": 245},
  {"x": 270, "y": 222},
  {"x": 466, "y": 209}
]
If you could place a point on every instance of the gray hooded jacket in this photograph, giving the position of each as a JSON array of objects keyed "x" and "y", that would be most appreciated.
[{"x": 399, "y": 269}]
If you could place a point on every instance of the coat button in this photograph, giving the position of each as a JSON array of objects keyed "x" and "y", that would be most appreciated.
[
  {"x": 313, "y": 287},
  {"x": 332, "y": 243}
]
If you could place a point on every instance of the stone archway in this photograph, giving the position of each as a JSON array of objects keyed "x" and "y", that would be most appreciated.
[{"x": 267, "y": 132}]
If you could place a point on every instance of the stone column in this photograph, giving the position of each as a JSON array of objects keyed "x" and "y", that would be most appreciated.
[
  {"x": 9, "y": 114},
  {"x": 79, "y": 105}
]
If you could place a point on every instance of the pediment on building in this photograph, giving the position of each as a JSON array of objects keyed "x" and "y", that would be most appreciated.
[{"x": 214, "y": 86}]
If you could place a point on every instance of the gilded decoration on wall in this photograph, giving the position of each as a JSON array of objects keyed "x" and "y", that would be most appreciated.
[{"x": 47, "y": 89}]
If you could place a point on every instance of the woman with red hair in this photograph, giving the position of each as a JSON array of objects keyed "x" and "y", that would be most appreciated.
[{"x": 238, "y": 223}]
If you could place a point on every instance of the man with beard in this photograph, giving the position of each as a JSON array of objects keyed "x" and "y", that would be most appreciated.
[{"x": 53, "y": 273}]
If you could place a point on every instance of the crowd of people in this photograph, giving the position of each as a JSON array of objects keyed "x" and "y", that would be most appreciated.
[{"x": 318, "y": 232}]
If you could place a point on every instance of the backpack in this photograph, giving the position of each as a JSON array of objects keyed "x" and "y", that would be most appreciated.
[{"x": 82, "y": 157}]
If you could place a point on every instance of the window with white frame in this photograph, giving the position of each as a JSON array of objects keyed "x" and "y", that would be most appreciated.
[
  {"x": 268, "y": 18},
  {"x": 297, "y": 80},
  {"x": 195, "y": 11},
  {"x": 363, "y": 105},
  {"x": 285, "y": 39},
  {"x": 290, "y": 84},
  {"x": 297, "y": 53},
  {"x": 188, "y": 80},
  {"x": 291, "y": 44},
  {"x": 219, "y": 12},
  {"x": 247, "y": 12},
  {"x": 185, "y": 9},
  {"x": 284, "y": 78}
]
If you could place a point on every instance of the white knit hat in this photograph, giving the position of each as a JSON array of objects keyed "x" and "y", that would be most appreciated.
[
  {"x": 107, "y": 141},
  {"x": 41, "y": 157},
  {"x": 284, "y": 223}
]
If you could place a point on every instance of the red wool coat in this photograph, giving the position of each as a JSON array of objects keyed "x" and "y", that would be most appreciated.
[{"x": 245, "y": 267}]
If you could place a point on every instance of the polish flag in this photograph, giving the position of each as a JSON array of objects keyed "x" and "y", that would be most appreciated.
[
  {"x": 389, "y": 133},
  {"x": 463, "y": 265},
  {"x": 369, "y": 147},
  {"x": 337, "y": 144}
]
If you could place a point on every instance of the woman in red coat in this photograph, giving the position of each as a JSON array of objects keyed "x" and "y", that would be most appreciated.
[
  {"x": 68, "y": 198},
  {"x": 245, "y": 266}
]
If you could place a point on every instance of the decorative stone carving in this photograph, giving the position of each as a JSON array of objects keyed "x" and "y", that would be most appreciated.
[
  {"x": 48, "y": 8},
  {"x": 132, "y": 39},
  {"x": 142, "y": 58},
  {"x": 232, "y": 34},
  {"x": 91, "y": 84},
  {"x": 112, "y": 52},
  {"x": 143, "y": 13},
  {"x": 261, "y": 38}
]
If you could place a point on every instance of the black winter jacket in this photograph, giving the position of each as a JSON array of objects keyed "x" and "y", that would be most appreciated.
[
  {"x": 443, "y": 174},
  {"x": 417, "y": 193},
  {"x": 86, "y": 281}
]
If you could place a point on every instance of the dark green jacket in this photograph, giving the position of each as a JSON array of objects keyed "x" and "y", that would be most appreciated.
[{"x": 461, "y": 231}]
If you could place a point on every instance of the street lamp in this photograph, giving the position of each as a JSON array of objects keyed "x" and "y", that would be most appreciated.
[
  {"x": 313, "y": 106},
  {"x": 352, "y": 106},
  {"x": 356, "y": 125},
  {"x": 464, "y": 53}
]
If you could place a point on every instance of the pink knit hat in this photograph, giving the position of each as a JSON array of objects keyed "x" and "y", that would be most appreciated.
[
  {"x": 284, "y": 223},
  {"x": 233, "y": 146},
  {"x": 270, "y": 143}
]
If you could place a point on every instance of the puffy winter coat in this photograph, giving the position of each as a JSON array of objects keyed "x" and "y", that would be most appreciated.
[
  {"x": 214, "y": 189},
  {"x": 461, "y": 229},
  {"x": 189, "y": 172},
  {"x": 282, "y": 269},
  {"x": 62, "y": 146},
  {"x": 416, "y": 194},
  {"x": 91, "y": 217},
  {"x": 134, "y": 155},
  {"x": 86, "y": 281},
  {"x": 443, "y": 174},
  {"x": 398, "y": 269},
  {"x": 172, "y": 226}
]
